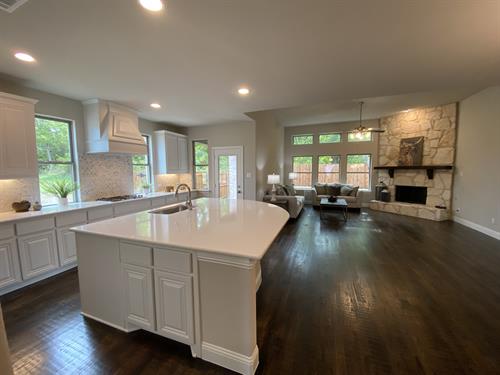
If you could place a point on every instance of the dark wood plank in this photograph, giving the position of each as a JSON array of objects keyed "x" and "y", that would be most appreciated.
[{"x": 380, "y": 294}]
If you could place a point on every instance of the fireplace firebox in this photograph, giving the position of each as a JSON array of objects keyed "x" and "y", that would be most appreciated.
[{"x": 411, "y": 194}]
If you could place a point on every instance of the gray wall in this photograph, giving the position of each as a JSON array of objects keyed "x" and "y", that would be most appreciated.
[
  {"x": 269, "y": 135},
  {"x": 343, "y": 148},
  {"x": 232, "y": 134},
  {"x": 477, "y": 175}
]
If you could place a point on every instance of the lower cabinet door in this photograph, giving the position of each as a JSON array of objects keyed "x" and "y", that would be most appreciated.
[
  {"x": 38, "y": 253},
  {"x": 66, "y": 244},
  {"x": 9, "y": 263},
  {"x": 174, "y": 306},
  {"x": 139, "y": 296}
]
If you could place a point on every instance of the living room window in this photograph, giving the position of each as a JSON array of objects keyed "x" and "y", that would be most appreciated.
[
  {"x": 56, "y": 156},
  {"x": 200, "y": 165},
  {"x": 330, "y": 138},
  {"x": 359, "y": 137},
  {"x": 328, "y": 169},
  {"x": 304, "y": 139},
  {"x": 302, "y": 166},
  {"x": 358, "y": 170},
  {"x": 141, "y": 169}
]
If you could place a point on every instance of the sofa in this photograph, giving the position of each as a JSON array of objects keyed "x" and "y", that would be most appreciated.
[
  {"x": 343, "y": 191},
  {"x": 287, "y": 199}
]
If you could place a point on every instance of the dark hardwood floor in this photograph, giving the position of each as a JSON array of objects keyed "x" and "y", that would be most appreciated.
[{"x": 380, "y": 294}]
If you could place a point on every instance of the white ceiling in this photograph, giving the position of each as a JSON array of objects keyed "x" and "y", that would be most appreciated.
[
  {"x": 192, "y": 57},
  {"x": 373, "y": 108}
]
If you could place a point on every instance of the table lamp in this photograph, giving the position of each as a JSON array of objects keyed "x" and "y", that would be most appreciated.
[{"x": 273, "y": 179}]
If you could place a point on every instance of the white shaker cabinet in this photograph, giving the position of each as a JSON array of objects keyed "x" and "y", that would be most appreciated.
[
  {"x": 9, "y": 263},
  {"x": 17, "y": 137},
  {"x": 38, "y": 253},
  {"x": 139, "y": 296},
  {"x": 170, "y": 153},
  {"x": 174, "y": 306}
]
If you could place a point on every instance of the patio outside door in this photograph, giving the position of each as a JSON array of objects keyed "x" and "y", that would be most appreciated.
[{"x": 228, "y": 172}]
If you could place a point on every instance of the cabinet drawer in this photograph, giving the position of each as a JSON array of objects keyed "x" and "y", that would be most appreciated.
[
  {"x": 101, "y": 213},
  {"x": 33, "y": 226},
  {"x": 172, "y": 260},
  {"x": 6, "y": 231},
  {"x": 71, "y": 218},
  {"x": 132, "y": 207},
  {"x": 136, "y": 254}
]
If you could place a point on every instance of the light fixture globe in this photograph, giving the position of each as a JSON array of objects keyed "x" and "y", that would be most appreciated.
[{"x": 152, "y": 5}]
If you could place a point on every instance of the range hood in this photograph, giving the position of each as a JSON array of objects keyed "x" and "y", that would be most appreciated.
[{"x": 111, "y": 128}]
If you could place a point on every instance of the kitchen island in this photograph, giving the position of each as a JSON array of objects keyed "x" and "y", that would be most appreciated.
[{"x": 191, "y": 276}]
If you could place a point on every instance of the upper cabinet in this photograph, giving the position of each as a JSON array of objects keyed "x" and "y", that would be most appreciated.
[
  {"x": 17, "y": 137},
  {"x": 171, "y": 153},
  {"x": 112, "y": 128}
]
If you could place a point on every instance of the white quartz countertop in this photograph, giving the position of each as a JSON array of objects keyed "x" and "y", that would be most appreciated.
[
  {"x": 56, "y": 209},
  {"x": 233, "y": 227}
]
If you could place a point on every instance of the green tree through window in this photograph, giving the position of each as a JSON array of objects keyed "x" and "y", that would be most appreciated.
[
  {"x": 330, "y": 138},
  {"x": 141, "y": 166},
  {"x": 54, "y": 148},
  {"x": 200, "y": 165},
  {"x": 302, "y": 140}
]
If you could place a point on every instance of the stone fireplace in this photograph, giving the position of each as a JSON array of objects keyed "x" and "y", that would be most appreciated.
[{"x": 438, "y": 127}]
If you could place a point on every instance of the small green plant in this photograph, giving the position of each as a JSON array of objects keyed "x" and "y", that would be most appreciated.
[
  {"x": 146, "y": 186},
  {"x": 60, "y": 188}
]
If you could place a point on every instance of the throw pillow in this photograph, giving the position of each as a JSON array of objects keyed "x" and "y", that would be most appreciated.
[
  {"x": 346, "y": 190},
  {"x": 290, "y": 189},
  {"x": 354, "y": 191},
  {"x": 321, "y": 189},
  {"x": 334, "y": 190},
  {"x": 281, "y": 190}
]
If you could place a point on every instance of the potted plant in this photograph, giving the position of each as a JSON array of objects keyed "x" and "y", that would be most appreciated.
[
  {"x": 146, "y": 188},
  {"x": 61, "y": 188}
]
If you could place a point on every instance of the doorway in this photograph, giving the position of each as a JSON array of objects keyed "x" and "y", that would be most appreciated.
[{"x": 228, "y": 172}]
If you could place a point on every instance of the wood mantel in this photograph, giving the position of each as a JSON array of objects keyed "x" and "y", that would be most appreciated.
[{"x": 429, "y": 168}]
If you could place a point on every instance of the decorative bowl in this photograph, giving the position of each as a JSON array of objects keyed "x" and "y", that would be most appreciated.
[
  {"x": 332, "y": 199},
  {"x": 22, "y": 206}
]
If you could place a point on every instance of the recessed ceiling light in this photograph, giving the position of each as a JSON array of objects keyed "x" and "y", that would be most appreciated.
[
  {"x": 155, "y": 105},
  {"x": 152, "y": 5},
  {"x": 23, "y": 56},
  {"x": 243, "y": 91}
]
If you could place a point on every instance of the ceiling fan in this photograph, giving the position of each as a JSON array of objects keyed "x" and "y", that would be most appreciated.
[{"x": 360, "y": 129}]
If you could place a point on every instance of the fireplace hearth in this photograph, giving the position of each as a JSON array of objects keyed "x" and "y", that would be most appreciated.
[{"x": 411, "y": 194}]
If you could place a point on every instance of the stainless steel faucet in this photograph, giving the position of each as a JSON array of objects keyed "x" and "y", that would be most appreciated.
[{"x": 189, "y": 204}]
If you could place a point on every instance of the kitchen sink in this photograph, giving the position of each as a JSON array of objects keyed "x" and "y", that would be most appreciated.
[{"x": 171, "y": 209}]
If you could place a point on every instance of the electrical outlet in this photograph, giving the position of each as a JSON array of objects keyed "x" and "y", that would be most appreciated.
[{"x": 492, "y": 220}]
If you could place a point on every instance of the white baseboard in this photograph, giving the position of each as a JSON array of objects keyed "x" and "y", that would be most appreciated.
[
  {"x": 240, "y": 363},
  {"x": 479, "y": 228}
]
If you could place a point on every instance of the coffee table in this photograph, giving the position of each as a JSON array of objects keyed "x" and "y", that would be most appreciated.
[{"x": 338, "y": 204}]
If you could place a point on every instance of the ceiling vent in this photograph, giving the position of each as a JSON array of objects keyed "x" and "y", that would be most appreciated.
[{"x": 11, "y": 5}]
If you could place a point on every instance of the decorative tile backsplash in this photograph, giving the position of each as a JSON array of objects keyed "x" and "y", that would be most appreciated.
[
  {"x": 17, "y": 190},
  {"x": 101, "y": 175},
  {"x": 105, "y": 175}
]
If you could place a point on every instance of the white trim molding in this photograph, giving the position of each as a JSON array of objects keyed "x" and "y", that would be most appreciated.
[
  {"x": 479, "y": 228},
  {"x": 240, "y": 363}
]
